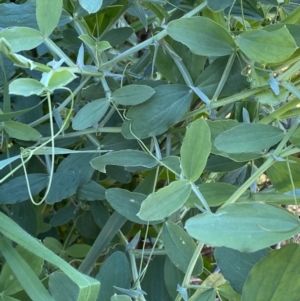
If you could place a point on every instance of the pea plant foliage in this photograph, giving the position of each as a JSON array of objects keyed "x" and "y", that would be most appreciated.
[{"x": 149, "y": 150}]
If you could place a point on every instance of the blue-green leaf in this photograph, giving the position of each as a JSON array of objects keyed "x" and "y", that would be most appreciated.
[{"x": 165, "y": 201}]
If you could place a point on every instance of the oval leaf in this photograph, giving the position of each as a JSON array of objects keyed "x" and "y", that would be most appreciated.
[
  {"x": 165, "y": 201},
  {"x": 21, "y": 131},
  {"x": 267, "y": 46},
  {"x": 126, "y": 203},
  {"x": 127, "y": 158},
  {"x": 246, "y": 227},
  {"x": 132, "y": 94},
  {"x": 180, "y": 247},
  {"x": 195, "y": 149},
  {"x": 203, "y": 36},
  {"x": 279, "y": 284},
  {"x": 22, "y": 38},
  {"x": 91, "y": 6},
  {"x": 90, "y": 114},
  {"x": 26, "y": 87},
  {"x": 151, "y": 118},
  {"x": 248, "y": 137},
  {"x": 48, "y": 15}
]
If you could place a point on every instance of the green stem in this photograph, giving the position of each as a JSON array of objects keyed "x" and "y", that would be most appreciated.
[
  {"x": 150, "y": 41},
  {"x": 289, "y": 72},
  {"x": 224, "y": 77},
  {"x": 187, "y": 277}
]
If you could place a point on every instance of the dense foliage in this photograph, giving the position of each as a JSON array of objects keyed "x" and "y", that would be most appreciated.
[{"x": 149, "y": 150}]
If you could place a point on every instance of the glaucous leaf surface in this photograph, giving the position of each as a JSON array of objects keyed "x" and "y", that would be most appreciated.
[
  {"x": 218, "y": 6},
  {"x": 202, "y": 36},
  {"x": 195, "y": 149},
  {"x": 162, "y": 203},
  {"x": 48, "y": 15},
  {"x": 91, "y": 6},
  {"x": 248, "y": 137},
  {"x": 246, "y": 227},
  {"x": 156, "y": 115},
  {"x": 180, "y": 247},
  {"x": 127, "y": 158},
  {"x": 267, "y": 47},
  {"x": 21, "y": 131},
  {"x": 282, "y": 282}
]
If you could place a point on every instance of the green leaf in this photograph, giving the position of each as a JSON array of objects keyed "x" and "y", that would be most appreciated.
[
  {"x": 74, "y": 171},
  {"x": 279, "y": 174},
  {"x": 132, "y": 94},
  {"x": 248, "y": 137},
  {"x": 204, "y": 295},
  {"x": 172, "y": 276},
  {"x": 202, "y": 36},
  {"x": 246, "y": 227},
  {"x": 216, "y": 5},
  {"x": 153, "y": 282},
  {"x": 26, "y": 87},
  {"x": 284, "y": 280},
  {"x": 15, "y": 190},
  {"x": 91, "y": 191},
  {"x": 62, "y": 288},
  {"x": 77, "y": 250},
  {"x": 22, "y": 38},
  {"x": 237, "y": 273},
  {"x": 115, "y": 272},
  {"x": 214, "y": 193},
  {"x": 267, "y": 46},
  {"x": 127, "y": 158},
  {"x": 25, "y": 275},
  {"x": 180, "y": 247},
  {"x": 90, "y": 114},
  {"x": 155, "y": 116},
  {"x": 48, "y": 15},
  {"x": 195, "y": 149},
  {"x": 126, "y": 203},
  {"x": 91, "y": 6},
  {"x": 117, "y": 36},
  {"x": 9, "y": 284},
  {"x": 165, "y": 201},
  {"x": 222, "y": 164},
  {"x": 21, "y": 131},
  {"x": 59, "y": 78},
  {"x": 89, "y": 287}
]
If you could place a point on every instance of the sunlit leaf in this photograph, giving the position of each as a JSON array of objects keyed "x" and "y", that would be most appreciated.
[
  {"x": 91, "y": 6},
  {"x": 26, "y": 87},
  {"x": 246, "y": 227},
  {"x": 48, "y": 14},
  {"x": 165, "y": 201}
]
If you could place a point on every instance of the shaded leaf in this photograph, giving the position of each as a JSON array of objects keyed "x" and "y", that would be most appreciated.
[
  {"x": 91, "y": 191},
  {"x": 74, "y": 171},
  {"x": 248, "y": 137},
  {"x": 132, "y": 94},
  {"x": 246, "y": 227},
  {"x": 126, "y": 203},
  {"x": 155, "y": 116},
  {"x": 165, "y": 201},
  {"x": 127, "y": 158},
  {"x": 195, "y": 149},
  {"x": 180, "y": 247},
  {"x": 115, "y": 271},
  {"x": 216, "y": 5},
  {"x": 90, "y": 114},
  {"x": 237, "y": 273},
  {"x": 15, "y": 190},
  {"x": 117, "y": 36},
  {"x": 203, "y": 36}
]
